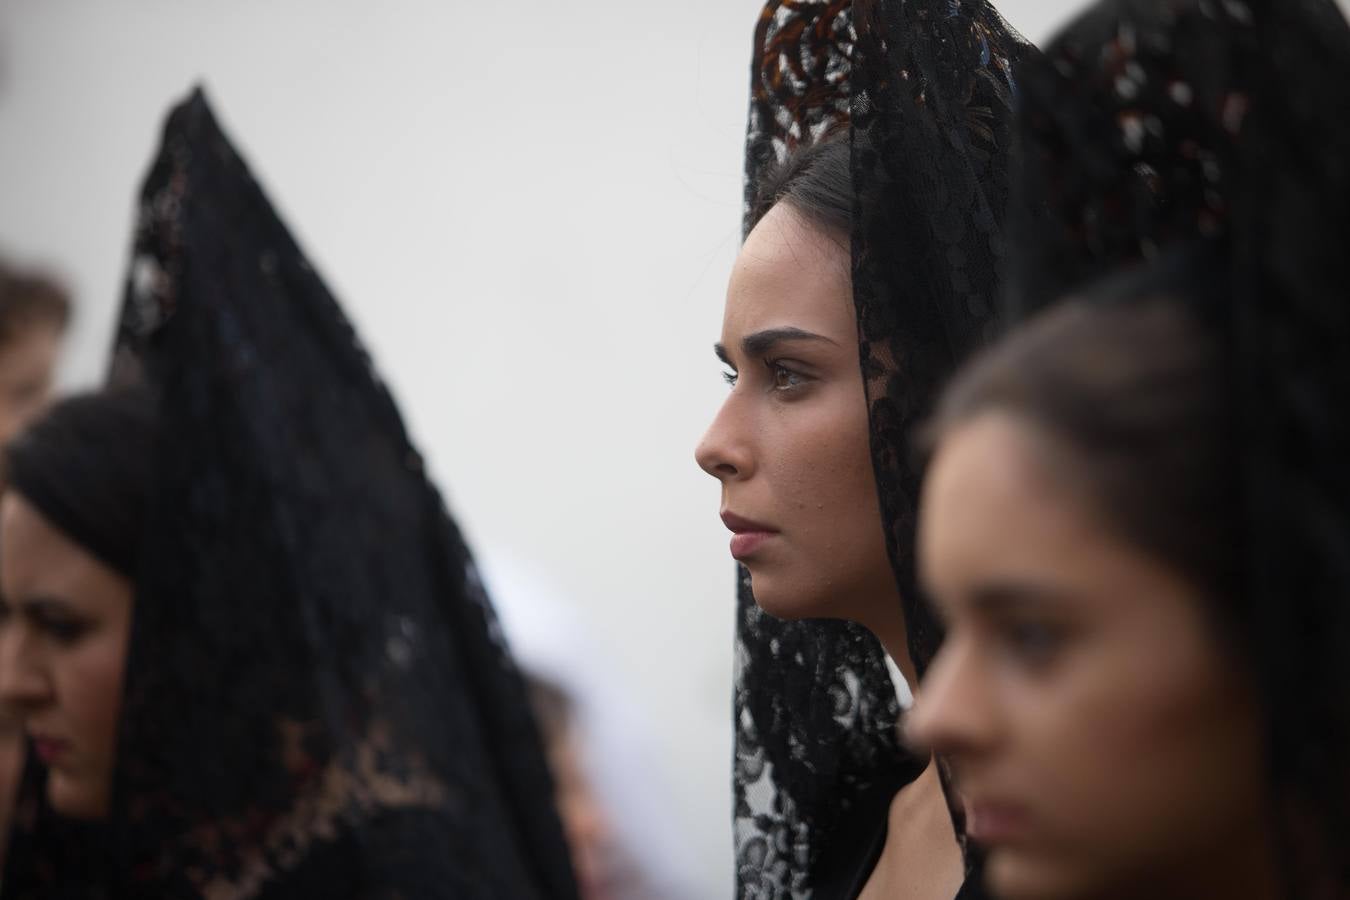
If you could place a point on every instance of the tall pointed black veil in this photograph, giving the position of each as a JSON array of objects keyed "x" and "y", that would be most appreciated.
[
  {"x": 318, "y": 700},
  {"x": 1156, "y": 128},
  {"x": 925, "y": 89}
]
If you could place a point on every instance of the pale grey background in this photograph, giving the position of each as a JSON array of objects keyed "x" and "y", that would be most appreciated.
[{"x": 529, "y": 209}]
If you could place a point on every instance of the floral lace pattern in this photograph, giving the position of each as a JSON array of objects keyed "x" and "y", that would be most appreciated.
[{"x": 799, "y": 86}]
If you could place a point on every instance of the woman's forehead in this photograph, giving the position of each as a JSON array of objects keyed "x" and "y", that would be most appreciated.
[
  {"x": 789, "y": 273},
  {"x": 787, "y": 238}
]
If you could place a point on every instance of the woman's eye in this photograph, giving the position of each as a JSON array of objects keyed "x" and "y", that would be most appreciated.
[
  {"x": 784, "y": 379},
  {"x": 65, "y": 631},
  {"x": 1033, "y": 642},
  {"x": 729, "y": 378}
]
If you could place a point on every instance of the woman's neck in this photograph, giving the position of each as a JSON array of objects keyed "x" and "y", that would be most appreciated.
[
  {"x": 888, "y": 624},
  {"x": 921, "y": 859}
]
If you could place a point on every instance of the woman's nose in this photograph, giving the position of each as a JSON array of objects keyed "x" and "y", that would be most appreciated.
[
  {"x": 952, "y": 714},
  {"x": 724, "y": 452},
  {"x": 23, "y": 684}
]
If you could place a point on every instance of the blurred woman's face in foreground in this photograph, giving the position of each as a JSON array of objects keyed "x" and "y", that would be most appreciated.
[
  {"x": 65, "y": 618},
  {"x": 1100, "y": 735}
]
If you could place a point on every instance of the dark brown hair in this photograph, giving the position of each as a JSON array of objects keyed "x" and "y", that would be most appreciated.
[
  {"x": 88, "y": 465},
  {"x": 28, "y": 299},
  {"x": 1131, "y": 397},
  {"x": 815, "y": 181}
]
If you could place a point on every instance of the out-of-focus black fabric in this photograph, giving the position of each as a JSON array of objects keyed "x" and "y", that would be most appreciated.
[{"x": 318, "y": 700}]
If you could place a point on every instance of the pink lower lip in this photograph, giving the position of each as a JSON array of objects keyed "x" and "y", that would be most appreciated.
[
  {"x": 994, "y": 824},
  {"x": 48, "y": 751},
  {"x": 747, "y": 542}
]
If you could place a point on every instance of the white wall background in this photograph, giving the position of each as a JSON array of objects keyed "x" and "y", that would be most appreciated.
[{"x": 529, "y": 209}]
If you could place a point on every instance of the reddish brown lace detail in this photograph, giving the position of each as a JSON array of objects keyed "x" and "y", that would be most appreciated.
[{"x": 799, "y": 86}]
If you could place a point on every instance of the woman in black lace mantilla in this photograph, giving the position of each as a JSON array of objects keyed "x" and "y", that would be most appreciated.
[
  {"x": 317, "y": 702},
  {"x": 876, "y": 172}
]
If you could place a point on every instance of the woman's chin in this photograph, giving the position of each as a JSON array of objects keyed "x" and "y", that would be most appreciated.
[
  {"x": 783, "y": 598},
  {"x": 75, "y": 800},
  {"x": 1012, "y": 874}
]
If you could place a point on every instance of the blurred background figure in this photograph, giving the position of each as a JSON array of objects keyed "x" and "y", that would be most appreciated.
[
  {"x": 313, "y": 699},
  {"x": 34, "y": 312},
  {"x": 612, "y": 794}
]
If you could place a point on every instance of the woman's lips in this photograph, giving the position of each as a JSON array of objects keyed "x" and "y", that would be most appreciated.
[
  {"x": 748, "y": 535},
  {"x": 49, "y": 750},
  {"x": 990, "y": 823},
  {"x": 746, "y": 543}
]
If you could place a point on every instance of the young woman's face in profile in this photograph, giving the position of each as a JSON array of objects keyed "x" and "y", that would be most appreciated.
[
  {"x": 790, "y": 444},
  {"x": 65, "y": 618},
  {"x": 1099, "y": 735}
]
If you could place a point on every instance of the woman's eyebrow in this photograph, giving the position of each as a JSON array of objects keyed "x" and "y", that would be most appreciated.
[
  {"x": 761, "y": 342},
  {"x": 996, "y": 598},
  {"x": 1009, "y": 597},
  {"x": 44, "y": 605}
]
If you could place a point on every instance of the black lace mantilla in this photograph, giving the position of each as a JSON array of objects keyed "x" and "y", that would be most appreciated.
[
  {"x": 318, "y": 700},
  {"x": 926, "y": 87}
]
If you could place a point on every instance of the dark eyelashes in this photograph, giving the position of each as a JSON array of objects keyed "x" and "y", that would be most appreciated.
[
  {"x": 1034, "y": 642},
  {"x": 65, "y": 631},
  {"x": 783, "y": 378},
  {"x": 61, "y": 626}
]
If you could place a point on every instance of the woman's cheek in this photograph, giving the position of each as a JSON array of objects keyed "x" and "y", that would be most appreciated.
[{"x": 94, "y": 689}]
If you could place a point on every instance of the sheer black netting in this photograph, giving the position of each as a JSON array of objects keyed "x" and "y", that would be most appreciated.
[
  {"x": 318, "y": 700},
  {"x": 1155, "y": 126},
  {"x": 926, "y": 88},
  {"x": 932, "y": 135}
]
